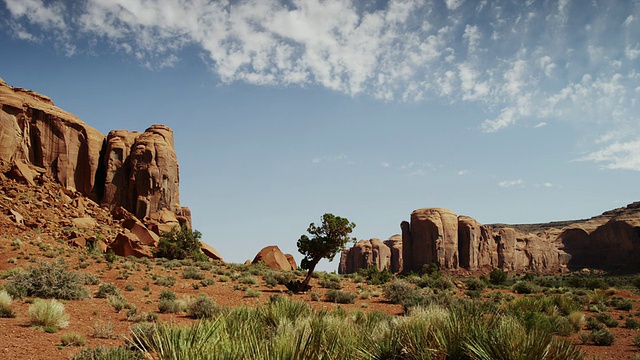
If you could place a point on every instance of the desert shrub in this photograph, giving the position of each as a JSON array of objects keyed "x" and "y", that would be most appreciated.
[
  {"x": 117, "y": 302},
  {"x": 103, "y": 329},
  {"x": 129, "y": 287},
  {"x": 596, "y": 283},
  {"x": 594, "y": 324},
  {"x": 104, "y": 290},
  {"x": 180, "y": 243},
  {"x": 602, "y": 337},
  {"x": 167, "y": 281},
  {"x": 192, "y": 272},
  {"x": 631, "y": 323},
  {"x": 248, "y": 279},
  {"x": 73, "y": 339},
  {"x": 270, "y": 279},
  {"x": 330, "y": 281},
  {"x": 202, "y": 307},
  {"x": 252, "y": 293},
  {"x": 108, "y": 353},
  {"x": 315, "y": 296},
  {"x": 340, "y": 297},
  {"x": 375, "y": 276},
  {"x": 168, "y": 295},
  {"x": 576, "y": 319},
  {"x": 525, "y": 287},
  {"x": 497, "y": 276},
  {"x": 474, "y": 284},
  {"x": 223, "y": 278},
  {"x": 48, "y": 280},
  {"x": 398, "y": 291},
  {"x": 607, "y": 319},
  {"x": 624, "y": 304},
  {"x": 48, "y": 313},
  {"x": 172, "y": 306},
  {"x": 207, "y": 282},
  {"x": 90, "y": 279},
  {"x": 5, "y": 305}
]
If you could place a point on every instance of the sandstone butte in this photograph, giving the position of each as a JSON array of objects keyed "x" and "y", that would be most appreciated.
[
  {"x": 460, "y": 243},
  {"x": 134, "y": 175}
]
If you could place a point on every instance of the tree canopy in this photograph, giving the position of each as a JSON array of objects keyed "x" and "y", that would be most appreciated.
[
  {"x": 324, "y": 242},
  {"x": 180, "y": 243}
]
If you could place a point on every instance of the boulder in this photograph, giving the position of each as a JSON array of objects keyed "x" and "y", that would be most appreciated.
[
  {"x": 16, "y": 217},
  {"x": 162, "y": 221},
  {"x": 210, "y": 251},
  {"x": 84, "y": 223},
  {"x": 144, "y": 235},
  {"x": 128, "y": 244},
  {"x": 21, "y": 172},
  {"x": 292, "y": 261},
  {"x": 273, "y": 257}
]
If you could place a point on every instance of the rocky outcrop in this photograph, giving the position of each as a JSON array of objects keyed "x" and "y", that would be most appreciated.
[
  {"x": 273, "y": 257},
  {"x": 395, "y": 246},
  {"x": 138, "y": 171},
  {"x": 430, "y": 237},
  {"x": 142, "y": 172},
  {"x": 365, "y": 254}
]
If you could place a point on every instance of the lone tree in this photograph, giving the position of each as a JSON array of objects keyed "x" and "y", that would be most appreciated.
[{"x": 325, "y": 242}]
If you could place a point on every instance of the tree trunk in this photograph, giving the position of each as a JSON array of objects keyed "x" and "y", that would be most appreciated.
[{"x": 306, "y": 280}]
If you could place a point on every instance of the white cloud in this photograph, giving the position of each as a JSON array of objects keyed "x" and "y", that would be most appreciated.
[
  {"x": 464, "y": 172},
  {"x": 546, "y": 185},
  {"x": 540, "y": 125},
  {"x": 510, "y": 183},
  {"x": 619, "y": 155},
  {"x": 525, "y": 65},
  {"x": 334, "y": 158}
]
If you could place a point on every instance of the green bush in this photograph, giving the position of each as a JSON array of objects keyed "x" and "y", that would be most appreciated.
[
  {"x": 632, "y": 323},
  {"x": 331, "y": 281},
  {"x": 525, "y": 287},
  {"x": 73, "y": 339},
  {"x": 607, "y": 319},
  {"x": 340, "y": 297},
  {"x": 168, "y": 295},
  {"x": 252, "y": 293},
  {"x": 167, "y": 281},
  {"x": 497, "y": 276},
  {"x": 602, "y": 337},
  {"x": 374, "y": 276},
  {"x": 202, "y": 307},
  {"x": 48, "y": 280},
  {"x": 474, "y": 284},
  {"x": 105, "y": 290},
  {"x": 180, "y": 243},
  {"x": 192, "y": 272},
  {"x": 172, "y": 306},
  {"x": 48, "y": 313}
]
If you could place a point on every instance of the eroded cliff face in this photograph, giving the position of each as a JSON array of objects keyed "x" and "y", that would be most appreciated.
[
  {"x": 138, "y": 171},
  {"x": 436, "y": 235}
]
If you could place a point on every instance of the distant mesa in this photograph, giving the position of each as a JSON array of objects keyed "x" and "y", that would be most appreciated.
[
  {"x": 132, "y": 174},
  {"x": 459, "y": 243}
]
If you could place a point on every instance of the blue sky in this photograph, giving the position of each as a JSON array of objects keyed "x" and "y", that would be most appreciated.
[{"x": 506, "y": 111}]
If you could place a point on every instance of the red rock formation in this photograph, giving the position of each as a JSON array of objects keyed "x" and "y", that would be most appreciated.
[
  {"x": 272, "y": 257},
  {"x": 37, "y": 132},
  {"x": 138, "y": 171},
  {"x": 432, "y": 237},
  {"x": 210, "y": 252},
  {"x": 395, "y": 245},
  {"x": 365, "y": 254},
  {"x": 292, "y": 261}
]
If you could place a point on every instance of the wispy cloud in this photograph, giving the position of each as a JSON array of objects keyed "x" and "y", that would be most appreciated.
[
  {"x": 333, "y": 158},
  {"x": 618, "y": 155},
  {"x": 520, "y": 62},
  {"x": 510, "y": 183}
]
